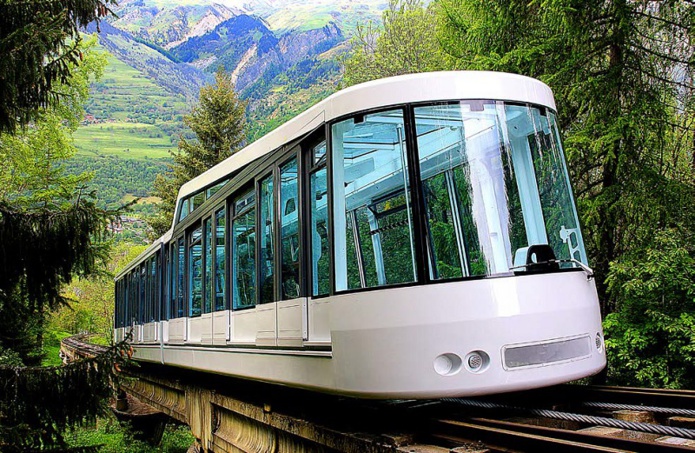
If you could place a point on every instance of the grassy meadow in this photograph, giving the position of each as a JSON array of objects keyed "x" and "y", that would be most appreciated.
[
  {"x": 130, "y": 116},
  {"x": 128, "y": 140}
]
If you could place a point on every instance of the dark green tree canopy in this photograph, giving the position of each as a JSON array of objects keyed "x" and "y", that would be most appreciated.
[
  {"x": 37, "y": 404},
  {"x": 219, "y": 125},
  {"x": 50, "y": 230},
  {"x": 39, "y": 44},
  {"x": 218, "y": 122},
  {"x": 622, "y": 73}
]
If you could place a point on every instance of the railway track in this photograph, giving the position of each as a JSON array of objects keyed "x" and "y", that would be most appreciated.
[{"x": 565, "y": 418}]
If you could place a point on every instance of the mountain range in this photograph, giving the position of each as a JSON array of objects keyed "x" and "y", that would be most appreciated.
[{"x": 282, "y": 54}]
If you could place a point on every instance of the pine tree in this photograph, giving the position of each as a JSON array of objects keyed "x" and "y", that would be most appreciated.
[
  {"x": 219, "y": 125},
  {"x": 50, "y": 229}
]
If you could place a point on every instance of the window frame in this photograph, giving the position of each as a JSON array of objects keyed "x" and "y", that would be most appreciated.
[
  {"x": 295, "y": 153},
  {"x": 307, "y": 167},
  {"x": 223, "y": 207},
  {"x": 414, "y": 191}
]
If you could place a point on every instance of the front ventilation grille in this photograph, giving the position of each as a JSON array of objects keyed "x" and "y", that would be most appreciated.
[{"x": 546, "y": 353}]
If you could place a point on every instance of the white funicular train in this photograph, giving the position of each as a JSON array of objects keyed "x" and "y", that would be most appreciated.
[{"x": 413, "y": 237}]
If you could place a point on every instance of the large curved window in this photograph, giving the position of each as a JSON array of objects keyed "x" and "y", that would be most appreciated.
[
  {"x": 494, "y": 183},
  {"x": 373, "y": 228}
]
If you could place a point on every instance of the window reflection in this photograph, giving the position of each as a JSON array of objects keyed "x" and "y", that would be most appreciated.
[
  {"x": 208, "y": 276},
  {"x": 373, "y": 221},
  {"x": 180, "y": 279},
  {"x": 320, "y": 260},
  {"x": 290, "y": 250},
  {"x": 195, "y": 273},
  {"x": 244, "y": 249},
  {"x": 220, "y": 260},
  {"x": 494, "y": 182},
  {"x": 266, "y": 228}
]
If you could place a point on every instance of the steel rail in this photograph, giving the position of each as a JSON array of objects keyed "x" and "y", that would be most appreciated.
[
  {"x": 587, "y": 419},
  {"x": 636, "y": 407},
  {"x": 630, "y": 395}
]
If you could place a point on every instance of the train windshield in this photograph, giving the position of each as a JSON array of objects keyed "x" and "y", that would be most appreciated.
[{"x": 495, "y": 183}]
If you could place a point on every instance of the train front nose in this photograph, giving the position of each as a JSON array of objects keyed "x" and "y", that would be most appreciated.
[{"x": 442, "y": 344}]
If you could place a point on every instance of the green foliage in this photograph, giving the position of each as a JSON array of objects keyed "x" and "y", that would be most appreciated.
[
  {"x": 42, "y": 249},
  {"x": 50, "y": 231},
  {"x": 116, "y": 438},
  {"x": 219, "y": 123},
  {"x": 405, "y": 45},
  {"x": 91, "y": 299},
  {"x": 38, "y": 404},
  {"x": 51, "y": 347},
  {"x": 49, "y": 227},
  {"x": 650, "y": 339},
  {"x": 614, "y": 68},
  {"x": 9, "y": 357},
  {"x": 40, "y": 46},
  {"x": 114, "y": 177}
]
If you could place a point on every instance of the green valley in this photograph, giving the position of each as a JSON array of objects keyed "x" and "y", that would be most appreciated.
[
  {"x": 283, "y": 57},
  {"x": 129, "y": 111}
]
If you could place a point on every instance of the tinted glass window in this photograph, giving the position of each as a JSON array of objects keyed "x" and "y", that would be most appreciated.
[
  {"x": 184, "y": 209},
  {"x": 372, "y": 226},
  {"x": 208, "y": 274},
  {"x": 197, "y": 201},
  {"x": 220, "y": 259},
  {"x": 495, "y": 183},
  {"x": 266, "y": 231},
  {"x": 180, "y": 307},
  {"x": 289, "y": 205},
  {"x": 320, "y": 260},
  {"x": 244, "y": 253},
  {"x": 195, "y": 273}
]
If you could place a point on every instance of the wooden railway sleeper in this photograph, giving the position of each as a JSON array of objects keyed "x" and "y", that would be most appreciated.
[
  {"x": 585, "y": 437},
  {"x": 454, "y": 433},
  {"x": 588, "y": 419}
]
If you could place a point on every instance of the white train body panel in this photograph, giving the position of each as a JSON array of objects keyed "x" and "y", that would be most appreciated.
[
  {"x": 521, "y": 313},
  {"x": 384, "y": 344}
]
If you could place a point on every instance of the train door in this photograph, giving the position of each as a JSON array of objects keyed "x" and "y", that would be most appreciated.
[
  {"x": 291, "y": 308},
  {"x": 316, "y": 327},
  {"x": 177, "y": 321},
  {"x": 266, "y": 310}
]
